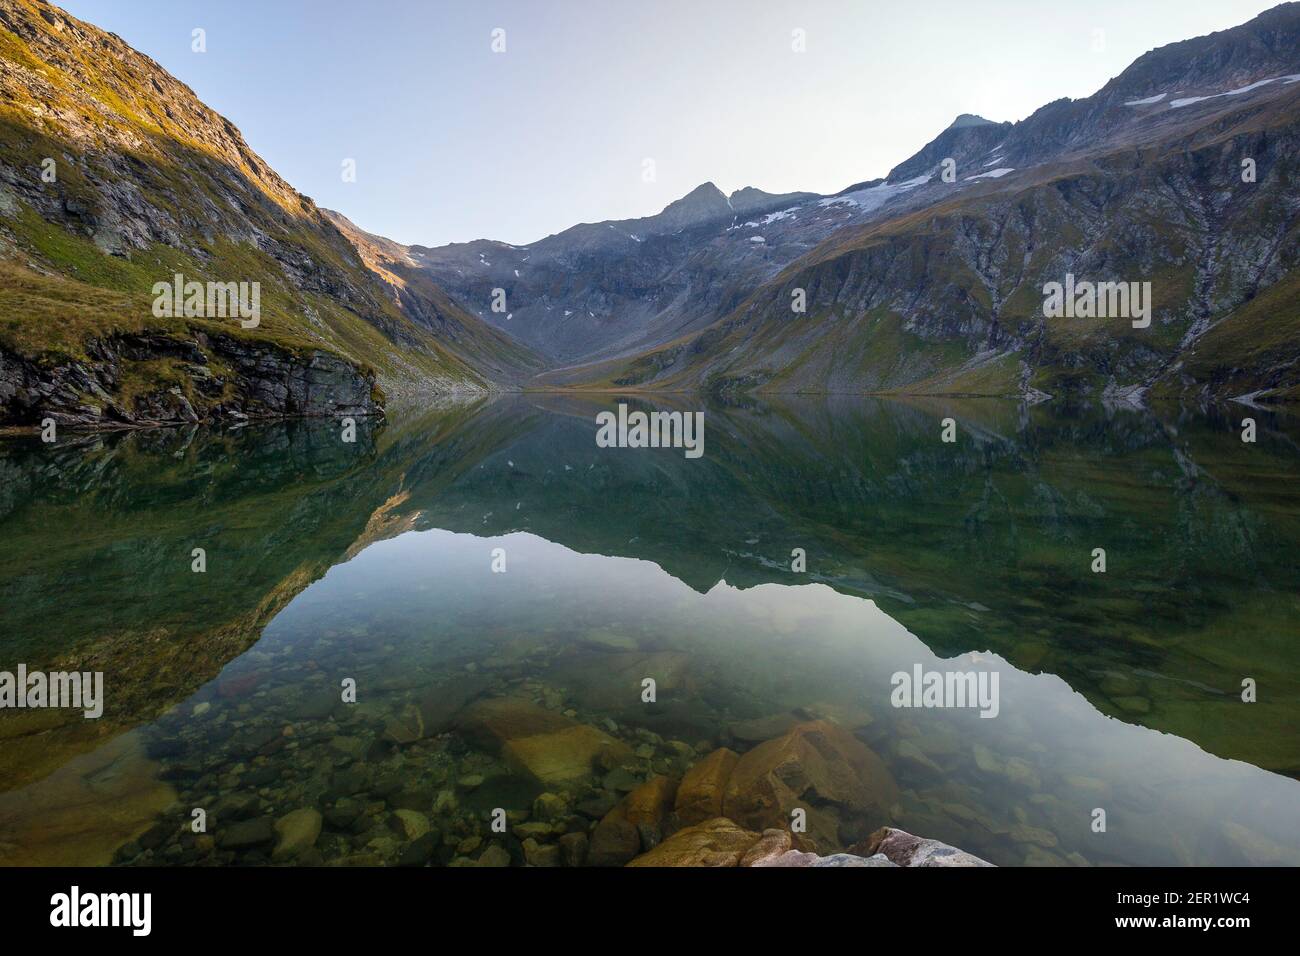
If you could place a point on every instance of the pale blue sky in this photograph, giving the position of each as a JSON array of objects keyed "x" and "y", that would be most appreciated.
[{"x": 455, "y": 142}]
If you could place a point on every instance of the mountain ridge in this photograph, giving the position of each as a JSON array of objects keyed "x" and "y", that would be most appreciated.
[
  {"x": 957, "y": 326},
  {"x": 618, "y": 298}
]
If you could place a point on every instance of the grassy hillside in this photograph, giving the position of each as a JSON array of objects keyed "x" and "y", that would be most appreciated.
[
  {"x": 486, "y": 349},
  {"x": 148, "y": 182}
]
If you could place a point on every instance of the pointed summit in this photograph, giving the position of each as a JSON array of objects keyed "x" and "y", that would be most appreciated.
[
  {"x": 970, "y": 119},
  {"x": 702, "y": 204}
]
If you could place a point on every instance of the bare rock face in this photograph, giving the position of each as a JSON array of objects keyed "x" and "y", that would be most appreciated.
[
  {"x": 904, "y": 849},
  {"x": 221, "y": 378},
  {"x": 716, "y": 842},
  {"x": 817, "y": 767}
]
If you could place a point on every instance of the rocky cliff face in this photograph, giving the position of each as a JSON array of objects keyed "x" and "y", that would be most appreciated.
[{"x": 220, "y": 378}]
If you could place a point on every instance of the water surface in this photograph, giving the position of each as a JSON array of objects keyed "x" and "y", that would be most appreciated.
[{"x": 374, "y": 561}]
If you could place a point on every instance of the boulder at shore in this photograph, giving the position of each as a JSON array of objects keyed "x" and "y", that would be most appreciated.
[
  {"x": 716, "y": 842},
  {"x": 721, "y": 842},
  {"x": 905, "y": 849},
  {"x": 818, "y": 767}
]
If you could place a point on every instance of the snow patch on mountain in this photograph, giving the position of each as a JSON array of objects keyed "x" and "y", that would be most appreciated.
[
  {"x": 1189, "y": 100},
  {"x": 1148, "y": 101},
  {"x": 873, "y": 197},
  {"x": 767, "y": 220}
]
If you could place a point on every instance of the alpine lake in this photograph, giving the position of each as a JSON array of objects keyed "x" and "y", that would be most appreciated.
[{"x": 472, "y": 618}]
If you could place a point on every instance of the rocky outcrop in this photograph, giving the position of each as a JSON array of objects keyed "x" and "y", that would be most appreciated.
[
  {"x": 722, "y": 842},
  {"x": 716, "y": 842},
  {"x": 793, "y": 800},
  {"x": 142, "y": 379},
  {"x": 904, "y": 849},
  {"x": 817, "y": 768},
  {"x": 772, "y": 844}
]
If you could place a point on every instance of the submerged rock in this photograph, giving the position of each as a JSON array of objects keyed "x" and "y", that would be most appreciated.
[
  {"x": 650, "y": 802},
  {"x": 759, "y": 729},
  {"x": 817, "y": 767},
  {"x": 549, "y": 747},
  {"x": 409, "y": 824},
  {"x": 551, "y": 806},
  {"x": 296, "y": 832},
  {"x": 573, "y": 849},
  {"x": 81, "y": 813},
  {"x": 246, "y": 833},
  {"x": 563, "y": 757},
  {"x": 614, "y": 841},
  {"x": 421, "y": 851},
  {"x": 494, "y": 856},
  {"x": 699, "y": 796},
  {"x": 541, "y": 854},
  {"x": 437, "y": 710}
]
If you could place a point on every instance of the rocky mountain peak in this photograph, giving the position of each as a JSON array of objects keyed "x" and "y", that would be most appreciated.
[
  {"x": 702, "y": 204},
  {"x": 966, "y": 120}
]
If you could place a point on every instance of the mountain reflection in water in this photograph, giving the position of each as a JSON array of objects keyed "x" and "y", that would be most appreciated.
[{"x": 374, "y": 561}]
